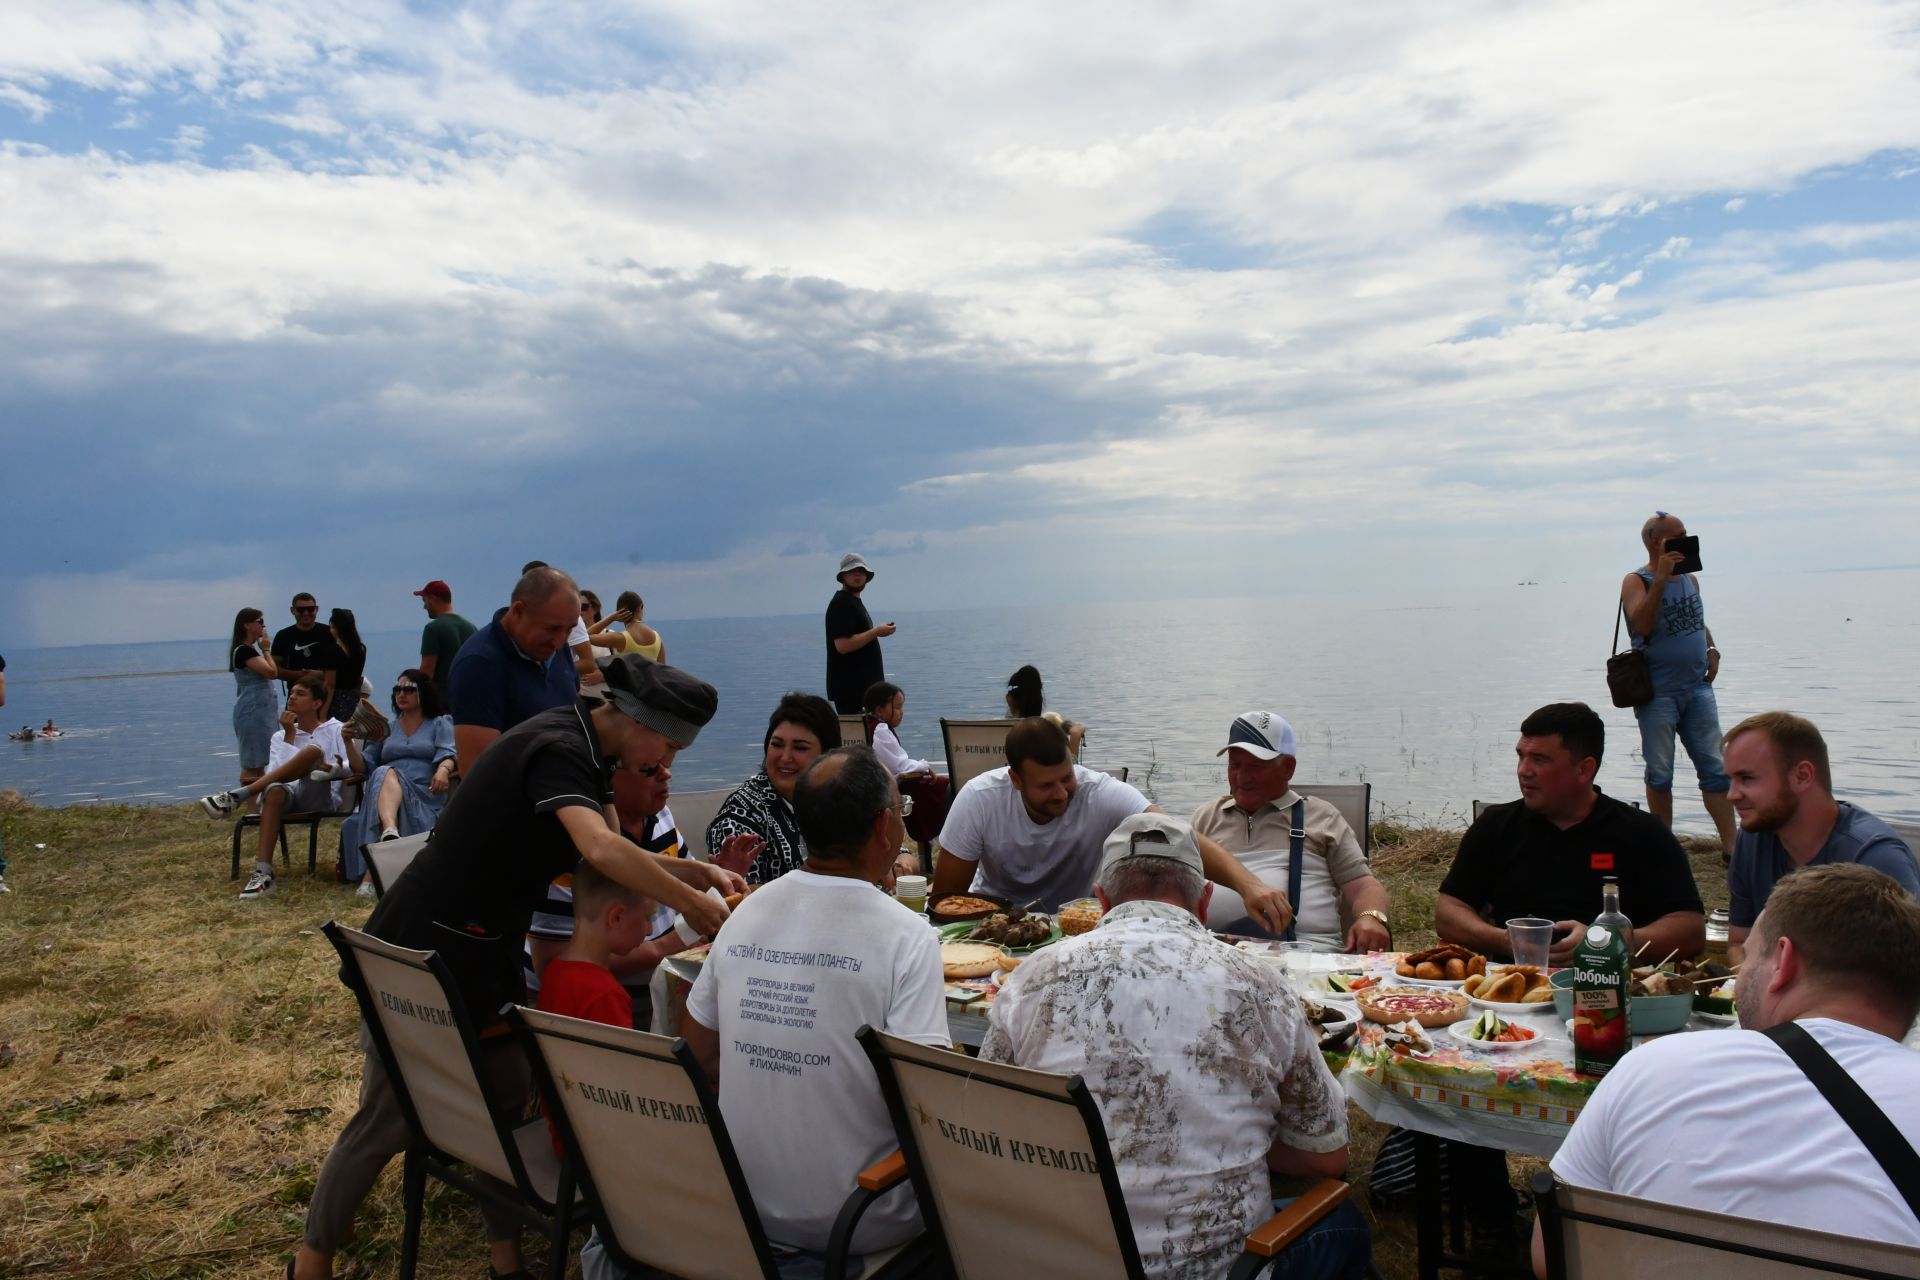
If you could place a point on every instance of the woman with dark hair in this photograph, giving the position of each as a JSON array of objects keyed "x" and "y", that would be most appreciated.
[
  {"x": 589, "y": 609},
  {"x": 256, "y": 707},
  {"x": 409, "y": 772},
  {"x": 353, "y": 664},
  {"x": 638, "y": 637},
  {"x": 1026, "y": 697},
  {"x": 801, "y": 729}
]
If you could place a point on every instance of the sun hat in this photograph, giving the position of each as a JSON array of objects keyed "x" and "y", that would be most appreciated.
[
  {"x": 1261, "y": 734},
  {"x": 664, "y": 699},
  {"x": 1151, "y": 835},
  {"x": 850, "y": 562}
]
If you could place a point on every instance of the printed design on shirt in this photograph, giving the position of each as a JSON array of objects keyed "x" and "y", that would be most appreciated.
[
  {"x": 1683, "y": 614},
  {"x": 784, "y": 1002}
]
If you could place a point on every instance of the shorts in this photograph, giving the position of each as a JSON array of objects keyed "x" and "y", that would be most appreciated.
[
  {"x": 1695, "y": 717},
  {"x": 307, "y": 796}
]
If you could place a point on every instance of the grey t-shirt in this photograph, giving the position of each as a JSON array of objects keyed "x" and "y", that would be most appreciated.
[
  {"x": 1760, "y": 861},
  {"x": 1021, "y": 860}
]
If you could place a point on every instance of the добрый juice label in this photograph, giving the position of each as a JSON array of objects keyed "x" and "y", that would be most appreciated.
[{"x": 1602, "y": 977}]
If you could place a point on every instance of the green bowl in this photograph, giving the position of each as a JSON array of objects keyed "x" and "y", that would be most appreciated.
[{"x": 1649, "y": 1016}]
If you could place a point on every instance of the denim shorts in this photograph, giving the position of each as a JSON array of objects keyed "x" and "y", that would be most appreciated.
[{"x": 1694, "y": 717}]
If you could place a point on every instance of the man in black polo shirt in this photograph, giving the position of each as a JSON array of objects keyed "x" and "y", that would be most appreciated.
[
  {"x": 1546, "y": 853},
  {"x": 538, "y": 801}
]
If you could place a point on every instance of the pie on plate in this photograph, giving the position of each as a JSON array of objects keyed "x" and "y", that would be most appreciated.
[
  {"x": 968, "y": 959},
  {"x": 1429, "y": 1006}
]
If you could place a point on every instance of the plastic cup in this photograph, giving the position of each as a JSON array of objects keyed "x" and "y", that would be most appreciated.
[
  {"x": 1531, "y": 939},
  {"x": 911, "y": 891},
  {"x": 1296, "y": 960}
]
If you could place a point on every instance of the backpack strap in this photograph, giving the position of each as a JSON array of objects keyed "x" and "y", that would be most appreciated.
[{"x": 1869, "y": 1123}]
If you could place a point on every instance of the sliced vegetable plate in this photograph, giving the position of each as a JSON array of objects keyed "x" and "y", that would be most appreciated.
[
  {"x": 1491, "y": 1031},
  {"x": 1343, "y": 982}
]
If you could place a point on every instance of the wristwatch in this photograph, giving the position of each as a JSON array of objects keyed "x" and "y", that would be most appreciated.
[{"x": 1381, "y": 916}]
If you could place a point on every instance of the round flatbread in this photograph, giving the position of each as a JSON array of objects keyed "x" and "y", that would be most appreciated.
[
  {"x": 1428, "y": 1006},
  {"x": 968, "y": 959}
]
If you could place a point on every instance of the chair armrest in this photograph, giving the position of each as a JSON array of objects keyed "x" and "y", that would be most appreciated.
[
  {"x": 883, "y": 1174},
  {"x": 1283, "y": 1228}
]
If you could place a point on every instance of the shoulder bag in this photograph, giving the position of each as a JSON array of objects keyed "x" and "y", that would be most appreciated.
[{"x": 1629, "y": 677}]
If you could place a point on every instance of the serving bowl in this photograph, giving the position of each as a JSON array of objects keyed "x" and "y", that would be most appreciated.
[{"x": 1649, "y": 1016}]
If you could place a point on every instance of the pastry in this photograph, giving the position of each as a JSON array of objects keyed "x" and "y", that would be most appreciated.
[
  {"x": 1428, "y": 1007},
  {"x": 968, "y": 959}
]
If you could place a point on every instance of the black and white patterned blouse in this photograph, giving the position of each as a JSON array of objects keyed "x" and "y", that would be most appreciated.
[{"x": 755, "y": 808}]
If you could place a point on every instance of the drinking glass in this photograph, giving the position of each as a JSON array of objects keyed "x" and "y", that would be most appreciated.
[
  {"x": 1531, "y": 939},
  {"x": 1296, "y": 961}
]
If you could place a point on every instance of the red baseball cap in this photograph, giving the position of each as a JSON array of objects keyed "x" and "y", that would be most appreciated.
[{"x": 436, "y": 588}]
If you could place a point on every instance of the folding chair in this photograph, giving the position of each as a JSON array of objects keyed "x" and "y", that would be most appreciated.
[
  {"x": 973, "y": 747},
  {"x": 657, "y": 1170},
  {"x": 1354, "y": 800},
  {"x": 853, "y": 731},
  {"x": 431, "y": 1052},
  {"x": 387, "y": 859},
  {"x": 1063, "y": 1217},
  {"x": 1592, "y": 1234},
  {"x": 1120, "y": 773},
  {"x": 350, "y": 797}
]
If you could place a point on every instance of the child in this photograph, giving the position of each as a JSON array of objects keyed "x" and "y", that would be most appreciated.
[
  {"x": 609, "y": 919},
  {"x": 929, "y": 790}
]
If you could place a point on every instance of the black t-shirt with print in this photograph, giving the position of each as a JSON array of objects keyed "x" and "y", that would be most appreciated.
[
  {"x": 1517, "y": 863},
  {"x": 471, "y": 893},
  {"x": 309, "y": 650}
]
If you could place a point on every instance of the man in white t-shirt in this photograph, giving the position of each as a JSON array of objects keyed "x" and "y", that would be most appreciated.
[
  {"x": 1032, "y": 832},
  {"x": 1837, "y": 953},
  {"x": 1254, "y": 823},
  {"x": 798, "y": 967},
  {"x": 305, "y": 762}
]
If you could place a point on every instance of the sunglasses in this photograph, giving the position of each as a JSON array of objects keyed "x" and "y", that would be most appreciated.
[
  {"x": 405, "y": 688},
  {"x": 306, "y": 608}
]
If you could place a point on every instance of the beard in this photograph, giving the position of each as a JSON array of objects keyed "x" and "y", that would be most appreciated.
[{"x": 1773, "y": 816}]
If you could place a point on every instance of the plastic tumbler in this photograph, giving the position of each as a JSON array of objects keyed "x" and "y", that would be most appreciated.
[
  {"x": 1531, "y": 939},
  {"x": 1296, "y": 961},
  {"x": 911, "y": 892}
]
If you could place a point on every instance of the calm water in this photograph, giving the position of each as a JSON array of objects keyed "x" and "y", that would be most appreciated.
[{"x": 1420, "y": 698}]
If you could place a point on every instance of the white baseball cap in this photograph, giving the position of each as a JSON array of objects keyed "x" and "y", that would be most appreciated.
[{"x": 1261, "y": 734}]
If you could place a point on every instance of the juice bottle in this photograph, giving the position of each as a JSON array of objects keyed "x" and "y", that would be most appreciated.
[{"x": 1602, "y": 978}]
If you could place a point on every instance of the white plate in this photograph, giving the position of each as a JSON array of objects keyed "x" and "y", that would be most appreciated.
[
  {"x": 1457, "y": 1032},
  {"x": 1717, "y": 1019},
  {"x": 1446, "y": 984},
  {"x": 1538, "y": 1006}
]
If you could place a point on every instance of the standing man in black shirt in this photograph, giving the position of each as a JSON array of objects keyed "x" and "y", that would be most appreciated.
[
  {"x": 853, "y": 642},
  {"x": 1546, "y": 853},
  {"x": 306, "y": 648}
]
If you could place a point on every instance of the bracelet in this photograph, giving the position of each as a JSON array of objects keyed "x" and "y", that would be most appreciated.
[{"x": 1711, "y": 649}]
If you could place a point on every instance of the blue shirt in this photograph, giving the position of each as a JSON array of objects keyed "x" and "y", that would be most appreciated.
[
  {"x": 1760, "y": 861},
  {"x": 493, "y": 685},
  {"x": 1677, "y": 647}
]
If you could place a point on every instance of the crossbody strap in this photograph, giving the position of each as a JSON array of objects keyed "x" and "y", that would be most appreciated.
[
  {"x": 1869, "y": 1123},
  {"x": 1296, "y": 845}
]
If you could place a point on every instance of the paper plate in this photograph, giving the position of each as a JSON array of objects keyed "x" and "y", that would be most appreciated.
[{"x": 1457, "y": 1032}]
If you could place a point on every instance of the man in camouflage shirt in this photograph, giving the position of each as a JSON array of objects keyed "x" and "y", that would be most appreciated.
[{"x": 1207, "y": 1072}]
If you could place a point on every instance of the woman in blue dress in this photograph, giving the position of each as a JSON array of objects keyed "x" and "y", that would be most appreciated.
[
  {"x": 408, "y": 774},
  {"x": 256, "y": 705}
]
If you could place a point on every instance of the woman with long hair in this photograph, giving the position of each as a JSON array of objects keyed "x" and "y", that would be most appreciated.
[
  {"x": 256, "y": 707},
  {"x": 409, "y": 771},
  {"x": 1026, "y": 697},
  {"x": 353, "y": 664}
]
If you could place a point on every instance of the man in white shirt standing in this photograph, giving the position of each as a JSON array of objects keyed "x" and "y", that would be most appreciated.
[
  {"x": 1835, "y": 954},
  {"x": 1207, "y": 1071},
  {"x": 796, "y": 970},
  {"x": 1032, "y": 832},
  {"x": 1256, "y": 823},
  {"x": 305, "y": 762}
]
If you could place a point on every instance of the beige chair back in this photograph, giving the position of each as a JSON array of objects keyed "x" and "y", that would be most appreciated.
[
  {"x": 1020, "y": 1182},
  {"x": 389, "y": 859},
  {"x": 1633, "y": 1237},
  {"x": 1354, "y": 800},
  {"x": 853, "y": 731},
  {"x": 973, "y": 747},
  {"x": 432, "y": 1057},
  {"x": 693, "y": 812},
  {"x": 651, "y": 1154}
]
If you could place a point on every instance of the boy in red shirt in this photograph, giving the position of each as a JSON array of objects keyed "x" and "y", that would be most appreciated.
[{"x": 609, "y": 919}]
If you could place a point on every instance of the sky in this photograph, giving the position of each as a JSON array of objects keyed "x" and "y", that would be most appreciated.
[{"x": 1026, "y": 303}]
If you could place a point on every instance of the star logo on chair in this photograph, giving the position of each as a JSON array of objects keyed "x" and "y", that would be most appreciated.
[
  {"x": 925, "y": 1116},
  {"x": 566, "y": 1082}
]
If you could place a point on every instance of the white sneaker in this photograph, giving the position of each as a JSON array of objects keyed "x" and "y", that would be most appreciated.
[
  {"x": 366, "y": 890},
  {"x": 220, "y": 804},
  {"x": 391, "y": 833},
  {"x": 259, "y": 885},
  {"x": 3, "y": 885}
]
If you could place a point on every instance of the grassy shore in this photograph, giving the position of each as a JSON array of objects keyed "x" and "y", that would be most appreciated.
[{"x": 174, "y": 1064}]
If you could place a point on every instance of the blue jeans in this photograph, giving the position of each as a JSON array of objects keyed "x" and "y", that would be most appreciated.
[
  {"x": 1695, "y": 716},
  {"x": 1338, "y": 1247}
]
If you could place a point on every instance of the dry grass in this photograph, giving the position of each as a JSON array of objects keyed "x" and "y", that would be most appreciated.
[{"x": 174, "y": 1064}]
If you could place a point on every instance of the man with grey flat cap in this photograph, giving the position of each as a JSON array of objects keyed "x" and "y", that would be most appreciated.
[
  {"x": 536, "y": 802},
  {"x": 853, "y": 642}
]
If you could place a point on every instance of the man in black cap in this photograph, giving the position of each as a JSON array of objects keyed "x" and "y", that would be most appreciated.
[
  {"x": 538, "y": 801},
  {"x": 853, "y": 642}
]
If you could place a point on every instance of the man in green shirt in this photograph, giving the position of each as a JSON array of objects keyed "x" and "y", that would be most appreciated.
[{"x": 445, "y": 632}]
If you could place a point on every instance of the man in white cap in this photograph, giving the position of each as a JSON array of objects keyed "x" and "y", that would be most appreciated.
[
  {"x": 1206, "y": 1069},
  {"x": 853, "y": 642},
  {"x": 1299, "y": 845}
]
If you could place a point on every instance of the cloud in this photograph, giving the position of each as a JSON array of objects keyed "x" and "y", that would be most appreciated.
[{"x": 717, "y": 290}]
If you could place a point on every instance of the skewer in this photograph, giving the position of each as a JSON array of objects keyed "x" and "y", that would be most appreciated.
[
  {"x": 1670, "y": 955},
  {"x": 1643, "y": 947}
]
